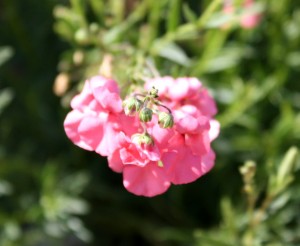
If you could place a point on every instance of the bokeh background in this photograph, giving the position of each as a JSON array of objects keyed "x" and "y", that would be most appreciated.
[{"x": 53, "y": 193}]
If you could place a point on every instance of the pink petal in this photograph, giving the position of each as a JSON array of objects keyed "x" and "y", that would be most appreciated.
[
  {"x": 82, "y": 99},
  {"x": 112, "y": 102},
  {"x": 104, "y": 83},
  {"x": 108, "y": 100},
  {"x": 194, "y": 85},
  {"x": 161, "y": 84},
  {"x": 161, "y": 136},
  {"x": 214, "y": 129},
  {"x": 198, "y": 143},
  {"x": 186, "y": 124},
  {"x": 207, "y": 103},
  {"x": 150, "y": 180},
  {"x": 71, "y": 124},
  {"x": 183, "y": 167},
  {"x": 150, "y": 152},
  {"x": 115, "y": 162},
  {"x": 90, "y": 130},
  {"x": 131, "y": 155},
  {"x": 189, "y": 109},
  {"x": 208, "y": 161},
  {"x": 109, "y": 142},
  {"x": 179, "y": 89},
  {"x": 127, "y": 124},
  {"x": 250, "y": 21}
]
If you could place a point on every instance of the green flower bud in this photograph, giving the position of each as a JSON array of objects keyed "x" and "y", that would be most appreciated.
[
  {"x": 154, "y": 92},
  {"x": 165, "y": 120},
  {"x": 132, "y": 105},
  {"x": 145, "y": 114},
  {"x": 144, "y": 138}
]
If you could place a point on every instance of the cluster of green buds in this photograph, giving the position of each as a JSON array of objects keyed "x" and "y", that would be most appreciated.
[
  {"x": 145, "y": 105},
  {"x": 132, "y": 105}
]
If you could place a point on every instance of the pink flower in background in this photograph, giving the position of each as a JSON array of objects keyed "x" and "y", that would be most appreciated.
[
  {"x": 248, "y": 20},
  {"x": 150, "y": 157}
]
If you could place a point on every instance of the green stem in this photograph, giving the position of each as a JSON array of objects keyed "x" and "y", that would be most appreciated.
[{"x": 208, "y": 13}]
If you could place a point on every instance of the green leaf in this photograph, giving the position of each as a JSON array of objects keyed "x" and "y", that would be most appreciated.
[
  {"x": 6, "y": 96},
  {"x": 174, "y": 15},
  {"x": 6, "y": 53},
  {"x": 188, "y": 14},
  {"x": 174, "y": 53},
  {"x": 286, "y": 167},
  {"x": 218, "y": 20}
]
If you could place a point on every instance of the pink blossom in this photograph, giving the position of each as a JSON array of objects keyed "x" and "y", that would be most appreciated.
[
  {"x": 178, "y": 155},
  {"x": 248, "y": 20},
  {"x": 149, "y": 181}
]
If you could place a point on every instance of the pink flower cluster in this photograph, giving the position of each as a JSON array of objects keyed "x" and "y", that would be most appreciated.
[
  {"x": 177, "y": 155},
  {"x": 247, "y": 20}
]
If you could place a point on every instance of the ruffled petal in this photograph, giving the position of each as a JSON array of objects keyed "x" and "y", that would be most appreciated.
[
  {"x": 97, "y": 82},
  {"x": 161, "y": 136},
  {"x": 149, "y": 181},
  {"x": 90, "y": 130},
  {"x": 108, "y": 100},
  {"x": 115, "y": 162},
  {"x": 71, "y": 125},
  {"x": 198, "y": 143},
  {"x": 179, "y": 89},
  {"x": 109, "y": 142},
  {"x": 182, "y": 166},
  {"x": 150, "y": 152},
  {"x": 162, "y": 84},
  {"x": 208, "y": 161},
  {"x": 214, "y": 129},
  {"x": 130, "y": 155},
  {"x": 83, "y": 99},
  {"x": 194, "y": 85},
  {"x": 207, "y": 104},
  {"x": 186, "y": 124}
]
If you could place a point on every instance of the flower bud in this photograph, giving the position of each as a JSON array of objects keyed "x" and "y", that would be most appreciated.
[
  {"x": 132, "y": 105},
  {"x": 154, "y": 92},
  {"x": 145, "y": 114},
  {"x": 165, "y": 120},
  {"x": 144, "y": 138}
]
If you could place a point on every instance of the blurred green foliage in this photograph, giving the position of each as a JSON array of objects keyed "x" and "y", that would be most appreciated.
[{"x": 53, "y": 193}]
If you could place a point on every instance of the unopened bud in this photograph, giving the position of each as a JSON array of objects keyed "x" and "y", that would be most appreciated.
[
  {"x": 132, "y": 105},
  {"x": 144, "y": 138},
  {"x": 146, "y": 115},
  {"x": 154, "y": 92},
  {"x": 165, "y": 120}
]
